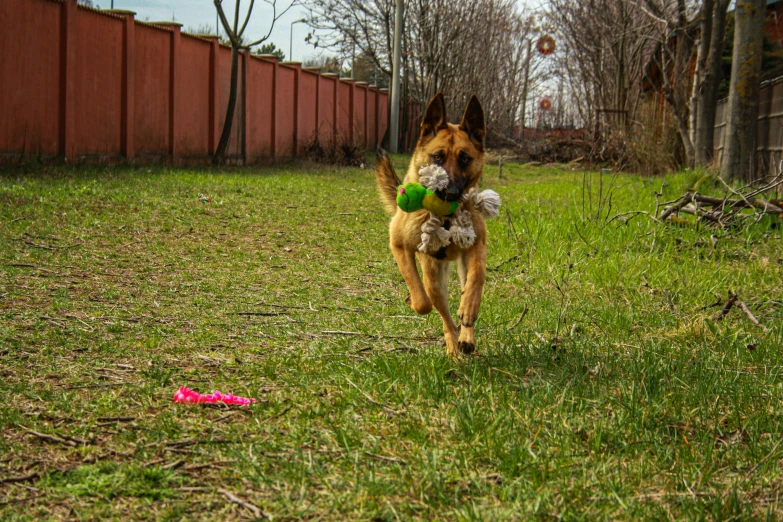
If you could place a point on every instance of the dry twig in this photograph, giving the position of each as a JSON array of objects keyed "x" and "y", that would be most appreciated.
[
  {"x": 247, "y": 505},
  {"x": 726, "y": 308},
  {"x": 750, "y": 315},
  {"x": 21, "y": 478},
  {"x": 51, "y": 438}
]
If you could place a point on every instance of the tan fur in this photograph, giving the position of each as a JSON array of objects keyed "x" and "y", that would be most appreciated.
[
  {"x": 387, "y": 181},
  {"x": 448, "y": 143}
]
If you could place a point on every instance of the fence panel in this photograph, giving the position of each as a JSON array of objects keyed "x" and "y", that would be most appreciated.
[
  {"x": 99, "y": 84},
  {"x": 769, "y": 149},
  {"x": 83, "y": 84},
  {"x": 152, "y": 75},
  {"x": 30, "y": 101},
  {"x": 193, "y": 116}
]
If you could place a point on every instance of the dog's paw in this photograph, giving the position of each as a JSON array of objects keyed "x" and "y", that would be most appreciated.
[
  {"x": 422, "y": 307},
  {"x": 467, "y": 347}
]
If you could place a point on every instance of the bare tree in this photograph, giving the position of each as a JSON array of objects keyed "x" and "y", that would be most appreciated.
[
  {"x": 325, "y": 64},
  {"x": 350, "y": 26},
  {"x": 677, "y": 40},
  {"x": 458, "y": 47},
  {"x": 739, "y": 160},
  {"x": 605, "y": 47},
  {"x": 235, "y": 34},
  {"x": 707, "y": 78}
]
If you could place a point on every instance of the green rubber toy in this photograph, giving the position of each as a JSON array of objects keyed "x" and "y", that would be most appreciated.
[{"x": 414, "y": 196}]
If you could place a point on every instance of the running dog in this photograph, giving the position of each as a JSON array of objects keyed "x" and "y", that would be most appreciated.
[{"x": 459, "y": 150}]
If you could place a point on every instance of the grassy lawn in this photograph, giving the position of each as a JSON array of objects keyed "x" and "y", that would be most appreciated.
[{"x": 602, "y": 389}]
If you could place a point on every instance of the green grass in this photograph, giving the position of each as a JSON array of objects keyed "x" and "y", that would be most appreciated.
[{"x": 615, "y": 396}]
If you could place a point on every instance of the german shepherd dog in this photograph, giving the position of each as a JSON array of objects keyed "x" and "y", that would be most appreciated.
[{"x": 459, "y": 150}]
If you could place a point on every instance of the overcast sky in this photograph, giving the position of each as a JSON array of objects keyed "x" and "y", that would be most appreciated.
[{"x": 193, "y": 13}]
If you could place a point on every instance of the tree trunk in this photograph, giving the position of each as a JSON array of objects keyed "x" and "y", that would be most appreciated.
[
  {"x": 675, "y": 90},
  {"x": 705, "y": 37},
  {"x": 220, "y": 154},
  {"x": 704, "y": 135},
  {"x": 525, "y": 89},
  {"x": 739, "y": 161}
]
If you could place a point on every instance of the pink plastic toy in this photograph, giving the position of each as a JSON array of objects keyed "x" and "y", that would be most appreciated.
[{"x": 187, "y": 395}]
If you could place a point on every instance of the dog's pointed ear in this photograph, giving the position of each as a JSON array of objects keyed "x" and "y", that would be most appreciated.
[
  {"x": 473, "y": 122},
  {"x": 434, "y": 118}
]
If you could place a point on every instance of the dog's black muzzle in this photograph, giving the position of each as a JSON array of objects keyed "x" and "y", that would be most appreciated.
[{"x": 453, "y": 192}]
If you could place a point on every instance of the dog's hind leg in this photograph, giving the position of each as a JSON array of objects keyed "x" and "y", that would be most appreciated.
[
  {"x": 436, "y": 283},
  {"x": 462, "y": 272},
  {"x": 474, "y": 264}
]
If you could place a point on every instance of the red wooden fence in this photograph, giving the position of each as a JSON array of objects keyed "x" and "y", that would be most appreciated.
[{"x": 83, "y": 84}]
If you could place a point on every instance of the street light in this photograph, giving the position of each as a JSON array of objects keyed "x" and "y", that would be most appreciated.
[{"x": 291, "y": 39}]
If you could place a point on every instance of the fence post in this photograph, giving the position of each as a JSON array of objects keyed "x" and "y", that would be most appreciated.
[
  {"x": 378, "y": 136},
  {"x": 317, "y": 72},
  {"x": 243, "y": 122},
  {"x": 127, "y": 132},
  {"x": 367, "y": 119},
  {"x": 214, "y": 118},
  {"x": 173, "y": 136},
  {"x": 175, "y": 29},
  {"x": 67, "y": 140},
  {"x": 363, "y": 127},
  {"x": 297, "y": 67},
  {"x": 336, "y": 79},
  {"x": 275, "y": 80},
  {"x": 385, "y": 108},
  {"x": 352, "y": 113}
]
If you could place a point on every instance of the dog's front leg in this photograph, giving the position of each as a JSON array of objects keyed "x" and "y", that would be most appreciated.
[
  {"x": 436, "y": 283},
  {"x": 474, "y": 265},
  {"x": 406, "y": 261}
]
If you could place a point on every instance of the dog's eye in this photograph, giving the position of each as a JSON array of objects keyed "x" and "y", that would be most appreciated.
[
  {"x": 464, "y": 159},
  {"x": 438, "y": 157}
]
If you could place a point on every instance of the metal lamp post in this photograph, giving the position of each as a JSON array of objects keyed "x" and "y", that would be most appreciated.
[
  {"x": 394, "y": 116},
  {"x": 291, "y": 38}
]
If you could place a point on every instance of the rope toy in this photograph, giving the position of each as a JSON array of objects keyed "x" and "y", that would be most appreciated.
[
  {"x": 417, "y": 196},
  {"x": 186, "y": 395}
]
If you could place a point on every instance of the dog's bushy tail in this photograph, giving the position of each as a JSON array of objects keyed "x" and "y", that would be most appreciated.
[{"x": 387, "y": 180}]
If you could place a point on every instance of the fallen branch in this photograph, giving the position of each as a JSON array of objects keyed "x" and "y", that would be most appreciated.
[
  {"x": 278, "y": 415},
  {"x": 713, "y": 305},
  {"x": 510, "y": 259},
  {"x": 726, "y": 308},
  {"x": 370, "y": 399},
  {"x": 247, "y": 505},
  {"x": 668, "y": 211},
  {"x": 116, "y": 419},
  {"x": 734, "y": 301},
  {"x": 723, "y": 209},
  {"x": 751, "y": 316},
  {"x": 519, "y": 319},
  {"x": 386, "y": 459},
  {"x": 50, "y": 438},
  {"x": 340, "y": 332},
  {"x": 762, "y": 461},
  {"x": 22, "y": 478},
  {"x": 633, "y": 214},
  {"x": 174, "y": 465},
  {"x": 744, "y": 202}
]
